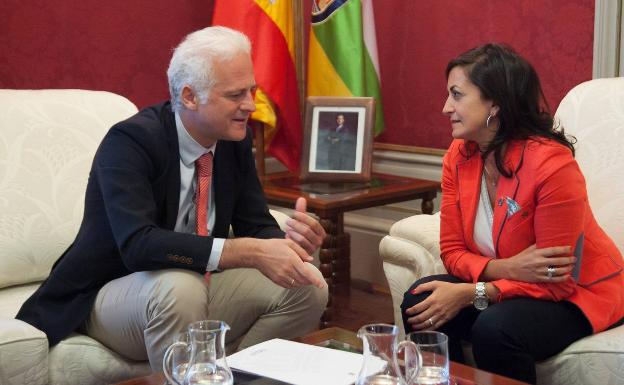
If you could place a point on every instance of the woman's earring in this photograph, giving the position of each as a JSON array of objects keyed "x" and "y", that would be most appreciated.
[{"x": 487, "y": 122}]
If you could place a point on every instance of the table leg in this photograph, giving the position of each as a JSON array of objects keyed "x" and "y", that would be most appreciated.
[
  {"x": 427, "y": 202},
  {"x": 335, "y": 263}
]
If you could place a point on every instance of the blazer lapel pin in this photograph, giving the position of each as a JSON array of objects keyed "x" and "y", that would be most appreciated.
[{"x": 512, "y": 206}]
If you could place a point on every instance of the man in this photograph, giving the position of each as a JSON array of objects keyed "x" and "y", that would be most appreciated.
[
  {"x": 155, "y": 221},
  {"x": 337, "y": 147}
]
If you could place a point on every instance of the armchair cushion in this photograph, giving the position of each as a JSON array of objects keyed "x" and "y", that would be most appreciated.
[
  {"x": 597, "y": 359},
  {"x": 79, "y": 359},
  {"x": 23, "y": 354}
]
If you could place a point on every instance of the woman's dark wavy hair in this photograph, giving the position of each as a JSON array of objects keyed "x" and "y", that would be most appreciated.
[{"x": 511, "y": 83}]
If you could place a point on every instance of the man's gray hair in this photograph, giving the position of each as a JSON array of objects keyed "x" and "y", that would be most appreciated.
[{"x": 193, "y": 59}]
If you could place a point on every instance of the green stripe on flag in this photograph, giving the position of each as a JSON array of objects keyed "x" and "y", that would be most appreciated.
[
  {"x": 342, "y": 39},
  {"x": 373, "y": 88}
]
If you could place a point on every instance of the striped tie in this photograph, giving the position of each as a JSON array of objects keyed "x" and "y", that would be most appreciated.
[{"x": 204, "y": 179}]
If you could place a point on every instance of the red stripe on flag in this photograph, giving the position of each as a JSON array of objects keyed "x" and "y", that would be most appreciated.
[{"x": 274, "y": 70}]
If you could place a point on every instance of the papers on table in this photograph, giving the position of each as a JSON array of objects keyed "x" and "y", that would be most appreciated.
[{"x": 298, "y": 363}]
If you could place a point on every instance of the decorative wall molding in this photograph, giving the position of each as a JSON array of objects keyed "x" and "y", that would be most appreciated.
[
  {"x": 415, "y": 165},
  {"x": 412, "y": 149},
  {"x": 608, "y": 39}
]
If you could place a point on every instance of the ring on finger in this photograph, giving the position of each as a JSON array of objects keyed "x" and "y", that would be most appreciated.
[
  {"x": 430, "y": 322},
  {"x": 292, "y": 282},
  {"x": 550, "y": 271}
]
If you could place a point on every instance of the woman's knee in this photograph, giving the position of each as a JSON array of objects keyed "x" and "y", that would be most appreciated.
[
  {"x": 494, "y": 330},
  {"x": 410, "y": 299}
]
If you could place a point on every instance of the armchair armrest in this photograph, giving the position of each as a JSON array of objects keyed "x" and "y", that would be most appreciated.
[
  {"x": 411, "y": 251},
  {"x": 280, "y": 217},
  {"x": 421, "y": 229}
]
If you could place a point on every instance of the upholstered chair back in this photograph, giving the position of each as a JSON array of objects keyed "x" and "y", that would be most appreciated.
[
  {"x": 594, "y": 113},
  {"x": 47, "y": 143}
]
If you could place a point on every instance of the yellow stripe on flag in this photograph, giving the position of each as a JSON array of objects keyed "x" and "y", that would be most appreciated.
[
  {"x": 280, "y": 12},
  {"x": 323, "y": 80},
  {"x": 265, "y": 113}
]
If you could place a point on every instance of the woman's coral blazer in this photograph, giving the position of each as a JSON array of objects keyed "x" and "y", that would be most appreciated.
[{"x": 544, "y": 203}]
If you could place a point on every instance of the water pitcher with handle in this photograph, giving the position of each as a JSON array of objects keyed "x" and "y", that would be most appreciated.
[
  {"x": 207, "y": 363},
  {"x": 380, "y": 365}
]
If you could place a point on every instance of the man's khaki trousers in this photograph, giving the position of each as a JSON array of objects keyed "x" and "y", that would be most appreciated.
[{"x": 138, "y": 315}]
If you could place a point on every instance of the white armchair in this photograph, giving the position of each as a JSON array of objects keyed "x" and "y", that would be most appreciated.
[
  {"x": 47, "y": 142},
  {"x": 593, "y": 112}
]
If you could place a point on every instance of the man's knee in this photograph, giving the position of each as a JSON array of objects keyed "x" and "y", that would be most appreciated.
[
  {"x": 179, "y": 292},
  {"x": 316, "y": 298}
]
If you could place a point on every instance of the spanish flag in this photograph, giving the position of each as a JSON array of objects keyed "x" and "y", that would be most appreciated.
[
  {"x": 269, "y": 25},
  {"x": 342, "y": 53}
]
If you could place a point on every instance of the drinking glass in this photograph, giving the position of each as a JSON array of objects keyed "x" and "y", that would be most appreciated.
[{"x": 433, "y": 348}]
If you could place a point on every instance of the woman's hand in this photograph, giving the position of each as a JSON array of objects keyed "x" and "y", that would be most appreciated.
[
  {"x": 550, "y": 264},
  {"x": 445, "y": 301}
]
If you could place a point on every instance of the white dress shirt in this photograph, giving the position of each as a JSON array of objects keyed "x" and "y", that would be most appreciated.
[{"x": 190, "y": 151}]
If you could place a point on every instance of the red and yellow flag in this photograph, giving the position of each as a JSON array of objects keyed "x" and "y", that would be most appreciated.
[{"x": 269, "y": 24}]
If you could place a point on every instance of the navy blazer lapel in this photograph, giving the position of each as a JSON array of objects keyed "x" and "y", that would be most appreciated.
[
  {"x": 223, "y": 188},
  {"x": 230, "y": 171},
  {"x": 173, "y": 173}
]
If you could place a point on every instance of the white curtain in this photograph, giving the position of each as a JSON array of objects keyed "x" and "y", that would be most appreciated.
[{"x": 608, "y": 39}]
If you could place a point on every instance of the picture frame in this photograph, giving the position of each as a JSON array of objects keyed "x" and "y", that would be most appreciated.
[{"x": 338, "y": 139}]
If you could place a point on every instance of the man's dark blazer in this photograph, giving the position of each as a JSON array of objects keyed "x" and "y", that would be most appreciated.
[{"x": 131, "y": 206}]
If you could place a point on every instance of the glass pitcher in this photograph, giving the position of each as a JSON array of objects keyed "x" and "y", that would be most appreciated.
[
  {"x": 207, "y": 364},
  {"x": 380, "y": 365},
  {"x": 178, "y": 358}
]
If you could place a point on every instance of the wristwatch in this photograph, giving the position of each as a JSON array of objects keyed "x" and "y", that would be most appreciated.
[{"x": 481, "y": 299}]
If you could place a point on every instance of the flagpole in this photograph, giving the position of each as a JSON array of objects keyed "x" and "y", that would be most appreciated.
[{"x": 299, "y": 22}]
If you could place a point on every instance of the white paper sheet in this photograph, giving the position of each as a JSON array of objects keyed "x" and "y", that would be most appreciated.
[{"x": 298, "y": 363}]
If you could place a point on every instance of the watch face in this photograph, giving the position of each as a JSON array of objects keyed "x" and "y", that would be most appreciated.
[{"x": 480, "y": 303}]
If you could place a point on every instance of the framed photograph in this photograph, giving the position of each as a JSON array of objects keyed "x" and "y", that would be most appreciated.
[{"x": 338, "y": 139}]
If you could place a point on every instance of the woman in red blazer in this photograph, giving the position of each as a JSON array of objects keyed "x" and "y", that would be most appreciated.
[{"x": 530, "y": 270}]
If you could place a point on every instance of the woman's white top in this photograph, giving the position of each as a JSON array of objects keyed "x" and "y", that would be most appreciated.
[{"x": 483, "y": 223}]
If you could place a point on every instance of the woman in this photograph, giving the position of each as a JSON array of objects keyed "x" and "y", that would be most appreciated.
[{"x": 530, "y": 270}]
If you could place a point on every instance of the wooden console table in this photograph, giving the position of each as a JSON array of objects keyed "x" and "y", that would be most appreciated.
[{"x": 331, "y": 200}]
